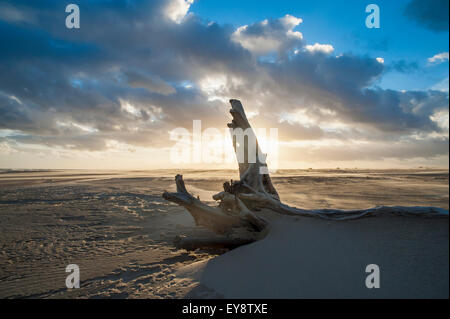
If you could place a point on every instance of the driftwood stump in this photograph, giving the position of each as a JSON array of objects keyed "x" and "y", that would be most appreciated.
[{"x": 236, "y": 215}]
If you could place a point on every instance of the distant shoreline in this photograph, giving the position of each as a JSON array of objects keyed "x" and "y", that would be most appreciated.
[{"x": 31, "y": 170}]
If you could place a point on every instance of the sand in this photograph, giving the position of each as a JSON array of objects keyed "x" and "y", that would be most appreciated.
[
  {"x": 119, "y": 230},
  {"x": 310, "y": 258}
]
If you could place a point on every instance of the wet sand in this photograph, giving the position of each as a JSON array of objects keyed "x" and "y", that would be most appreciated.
[{"x": 119, "y": 230}]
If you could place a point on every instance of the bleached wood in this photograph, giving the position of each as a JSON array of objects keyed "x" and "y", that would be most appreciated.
[{"x": 236, "y": 214}]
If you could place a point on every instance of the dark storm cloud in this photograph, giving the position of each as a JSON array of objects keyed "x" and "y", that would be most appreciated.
[
  {"x": 131, "y": 74},
  {"x": 13, "y": 115},
  {"x": 432, "y": 14}
]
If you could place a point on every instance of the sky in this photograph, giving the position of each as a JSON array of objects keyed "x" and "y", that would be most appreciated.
[{"x": 115, "y": 93}]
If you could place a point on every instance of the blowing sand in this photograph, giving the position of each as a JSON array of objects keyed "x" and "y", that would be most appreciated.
[{"x": 119, "y": 230}]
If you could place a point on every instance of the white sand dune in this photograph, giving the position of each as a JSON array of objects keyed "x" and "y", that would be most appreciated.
[{"x": 311, "y": 258}]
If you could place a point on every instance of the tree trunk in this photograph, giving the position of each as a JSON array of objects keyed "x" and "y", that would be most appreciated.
[{"x": 235, "y": 215}]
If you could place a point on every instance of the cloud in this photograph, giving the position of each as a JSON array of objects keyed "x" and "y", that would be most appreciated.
[
  {"x": 12, "y": 14},
  {"x": 270, "y": 36},
  {"x": 442, "y": 85},
  {"x": 377, "y": 151},
  {"x": 438, "y": 58},
  {"x": 176, "y": 10},
  {"x": 316, "y": 47},
  {"x": 431, "y": 14},
  {"x": 134, "y": 75},
  {"x": 152, "y": 83}
]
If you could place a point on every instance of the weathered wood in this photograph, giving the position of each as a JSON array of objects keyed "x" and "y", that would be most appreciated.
[
  {"x": 235, "y": 214},
  {"x": 251, "y": 174},
  {"x": 229, "y": 218}
]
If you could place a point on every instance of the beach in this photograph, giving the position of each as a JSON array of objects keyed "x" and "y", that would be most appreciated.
[{"x": 119, "y": 230}]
